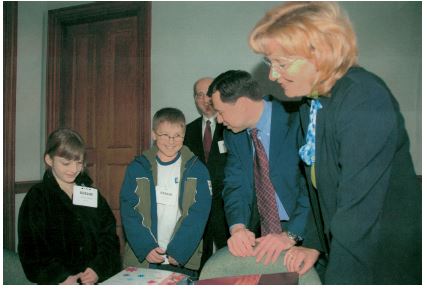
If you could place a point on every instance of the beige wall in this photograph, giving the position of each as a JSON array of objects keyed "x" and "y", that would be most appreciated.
[{"x": 194, "y": 39}]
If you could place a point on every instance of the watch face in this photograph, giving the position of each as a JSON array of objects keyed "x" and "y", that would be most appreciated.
[{"x": 295, "y": 237}]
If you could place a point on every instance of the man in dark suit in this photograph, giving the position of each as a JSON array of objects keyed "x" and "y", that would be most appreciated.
[
  {"x": 204, "y": 136},
  {"x": 240, "y": 106}
]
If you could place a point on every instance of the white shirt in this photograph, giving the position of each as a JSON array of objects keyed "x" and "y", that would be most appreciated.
[
  {"x": 213, "y": 125},
  {"x": 167, "y": 194}
]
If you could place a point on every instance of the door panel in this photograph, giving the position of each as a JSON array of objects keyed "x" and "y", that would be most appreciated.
[{"x": 101, "y": 97}]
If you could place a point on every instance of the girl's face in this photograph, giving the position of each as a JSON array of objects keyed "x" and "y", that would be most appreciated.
[
  {"x": 296, "y": 75},
  {"x": 64, "y": 170}
]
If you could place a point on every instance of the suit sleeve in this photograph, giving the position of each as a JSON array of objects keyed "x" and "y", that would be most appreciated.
[
  {"x": 138, "y": 235},
  {"x": 236, "y": 190},
  {"x": 297, "y": 223},
  {"x": 190, "y": 232},
  {"x": 366, "y": 138},
  {"x": 40, "y": 265}
]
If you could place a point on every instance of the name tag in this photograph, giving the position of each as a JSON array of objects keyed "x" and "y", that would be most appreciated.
[
  {"x": 85, "y": 196},
  {"x": 164, "y": 197},
  {"x": 221, "y": 147}
]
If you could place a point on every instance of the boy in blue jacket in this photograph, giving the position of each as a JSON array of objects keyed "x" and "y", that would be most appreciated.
[{"x": 165, "y": 201}]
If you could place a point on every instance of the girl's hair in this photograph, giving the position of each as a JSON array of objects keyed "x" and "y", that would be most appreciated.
[
  {"x": 319, "y": 31},
  {"x": 171, "y": 115},
  {"x": 65, "y": 143}
]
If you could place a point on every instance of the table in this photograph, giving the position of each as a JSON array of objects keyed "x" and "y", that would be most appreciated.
[{"x": 145, "y": 276}]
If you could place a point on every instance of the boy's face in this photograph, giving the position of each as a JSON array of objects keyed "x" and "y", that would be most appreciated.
[{"x": 169, "y": 139}]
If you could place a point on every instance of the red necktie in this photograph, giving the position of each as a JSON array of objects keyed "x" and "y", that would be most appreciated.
[
  {"x": 207, "y": 140},
  {"x": 265, "y": 193}
]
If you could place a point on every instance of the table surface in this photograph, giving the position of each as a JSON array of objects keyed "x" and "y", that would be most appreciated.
[{"x": 144, "y": 276}]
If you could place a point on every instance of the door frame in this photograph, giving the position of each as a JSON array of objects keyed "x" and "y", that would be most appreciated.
[
  {"x": 59, "y": 19},
  {"x": 10, "y": 28}
]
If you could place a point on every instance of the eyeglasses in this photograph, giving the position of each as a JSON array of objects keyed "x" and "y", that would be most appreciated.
[
  {"x": 166, "y": 137},
  {"x": 201, "y": 95},
  {"x": 281, "y": 65}
]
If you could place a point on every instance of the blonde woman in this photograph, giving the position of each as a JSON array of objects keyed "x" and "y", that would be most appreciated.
[{"x": 366, "y": 200}]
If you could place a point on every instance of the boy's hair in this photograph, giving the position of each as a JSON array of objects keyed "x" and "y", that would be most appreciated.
[
  {"x": 65, "y": 143},
  {"x": 171, "y": 115},
  {"x": 234, "y": 84}
]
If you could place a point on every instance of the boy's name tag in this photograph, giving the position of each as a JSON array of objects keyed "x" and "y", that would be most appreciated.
[
  {"x": 221, "y": 147},
  {"x": 85, "y": 196},
  {"x": 163, "y": 196}
]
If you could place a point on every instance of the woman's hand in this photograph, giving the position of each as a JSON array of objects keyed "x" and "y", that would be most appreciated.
[{"x": 300, "y": 259}]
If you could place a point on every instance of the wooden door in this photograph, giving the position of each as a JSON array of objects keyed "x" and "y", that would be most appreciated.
[{"x": 100, "y": 95}]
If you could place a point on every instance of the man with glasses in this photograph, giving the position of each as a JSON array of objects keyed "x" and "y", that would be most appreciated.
[
  {"x": 204, "y": 136},
  {"x": 265, "y": 195},
  {"x": 165, "y": 201}
]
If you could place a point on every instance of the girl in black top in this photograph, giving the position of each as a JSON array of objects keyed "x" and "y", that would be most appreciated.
[{"x": 61, "y": 242}]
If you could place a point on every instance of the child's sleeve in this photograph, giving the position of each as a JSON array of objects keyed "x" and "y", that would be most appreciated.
[
  {"x": 138, "y": 235},
  {"x": 189, "y": 234}
]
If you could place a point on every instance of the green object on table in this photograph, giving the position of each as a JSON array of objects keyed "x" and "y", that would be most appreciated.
[{"x": 224, "y": 264}]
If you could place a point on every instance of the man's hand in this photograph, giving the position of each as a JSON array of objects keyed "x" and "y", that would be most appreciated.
[
  {"x": 241, "y": 241},
  {"x": 89, "y": 277},
  {"x": 271, "y": 246},
  {"x": 156, "y": 256},
  {"x": 300, "y": 259}
]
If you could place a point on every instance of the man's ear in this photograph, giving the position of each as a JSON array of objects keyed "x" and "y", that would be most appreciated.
[
  {"x": 153, "y": 136},
  {"x": 48, "y": 160}
]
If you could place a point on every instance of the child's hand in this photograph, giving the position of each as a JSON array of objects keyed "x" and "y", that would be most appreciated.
[
  {"x": 89, "y": 277},
  {"x": 71, "y": 280},
  {"x": 156, "y": 256},
  {"x": 172, "y": 261}
]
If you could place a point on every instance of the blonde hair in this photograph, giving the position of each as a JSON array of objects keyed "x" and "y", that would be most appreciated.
[{"x": 318, "y": 31}]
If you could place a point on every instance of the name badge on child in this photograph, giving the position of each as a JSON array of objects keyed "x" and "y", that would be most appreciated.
[
  {"x": 221, "y": 147},
  {"x": 164, "y": 197},
  {"x": 85, "y": 196}
]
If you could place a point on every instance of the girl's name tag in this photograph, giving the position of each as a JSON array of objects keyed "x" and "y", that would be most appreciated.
[{"x": 85, "y": 196}]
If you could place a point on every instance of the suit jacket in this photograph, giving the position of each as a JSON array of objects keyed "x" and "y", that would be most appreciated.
[
  {"x": 285, "y": 173},
  {"x": 216, "y": 161},
  {"x": 367, "y": 207}
]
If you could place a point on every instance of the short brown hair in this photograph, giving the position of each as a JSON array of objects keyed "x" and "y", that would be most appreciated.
[
  {"x": 171, "y": 115},
  {"x": 65, "y": 143},
  {"x": 319, "y": 31}
]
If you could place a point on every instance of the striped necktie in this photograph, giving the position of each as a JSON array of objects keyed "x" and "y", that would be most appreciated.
[{"x": 265, "y": 193}]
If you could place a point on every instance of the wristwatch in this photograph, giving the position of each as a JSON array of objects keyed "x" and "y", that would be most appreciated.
[{"x": 297, "y": 239}]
